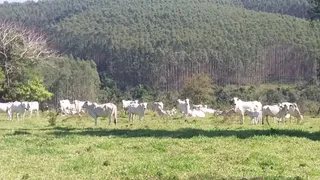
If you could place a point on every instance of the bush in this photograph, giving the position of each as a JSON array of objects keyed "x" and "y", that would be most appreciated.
[
  {"x": 199, "y": 89},
  {"x": 53, "y": 115}
]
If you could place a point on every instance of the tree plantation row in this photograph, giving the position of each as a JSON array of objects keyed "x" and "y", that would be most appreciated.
[{"x": 162, "y": 43}]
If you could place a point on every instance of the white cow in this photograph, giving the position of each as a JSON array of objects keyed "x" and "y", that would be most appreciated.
[
  {"x": 20, "y": 108},
  {"x": 205, "y": 109},
  {"x": 33, "y": 106},
  {"x": 198, "y": 106},
  {"x": 171, "y": 112},
  {"x": 193, "y": 112},
  {"x": 137, "y": 109},
  {"x": 278, "y": 111},
  {"x": 242, "y": 106},
  {"x": 101, "y": 110},
  {"x": 6, "y": 108},
  {"x": 157, "y": 105},
  {"x": 79, "y": 106},
  {"x": 182, "y": 106},
  {"x": 65, "y": 106},
  {"x": 293, "y": 110},
  {"x": 196, "y": 113},
  {"x": 126, "y": 103}
]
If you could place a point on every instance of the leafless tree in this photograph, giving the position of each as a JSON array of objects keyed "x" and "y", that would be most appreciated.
[{"x": 20, "y": 46}]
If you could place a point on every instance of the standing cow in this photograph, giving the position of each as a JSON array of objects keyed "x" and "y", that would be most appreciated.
[{"x": 101, "y": 110}]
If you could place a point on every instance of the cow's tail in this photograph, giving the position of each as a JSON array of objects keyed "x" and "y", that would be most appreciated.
[{"x": 115, "y": 114}]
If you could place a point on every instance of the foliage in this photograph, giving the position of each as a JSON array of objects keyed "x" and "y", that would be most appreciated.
[
  {"x": 160, "y": 44},
  {"x": 33, "y": 90},
  {"x": 2, "y": 80},
  {"x": 109, "y": 92},
  {"x": 198, "y": 88},
  {"x": 21, "y": 51},
  {"x": 52, "y": 117},
  {"x": 143, "y": 93},
  {"x": 315, "y": 10},
  {"x": 72, "y": 79}
]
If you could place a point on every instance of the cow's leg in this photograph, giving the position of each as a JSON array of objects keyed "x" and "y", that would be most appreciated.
[
  {"x": 267, "y": 120},
  {"x": 30, "y": 113},
  {"x": 115, "y": 120},
  {"x": 242, "y": 118},
  {"x": 9, "y": 115},
  {"x": 130, "y": 117},
  {"x": 95, "y": 117},
  {"x": 110, "y": 118},
  {"x": 37, "y": 112}
]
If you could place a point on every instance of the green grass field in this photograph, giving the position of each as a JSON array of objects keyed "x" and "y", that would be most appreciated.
[{"x": 158, "y": 149}]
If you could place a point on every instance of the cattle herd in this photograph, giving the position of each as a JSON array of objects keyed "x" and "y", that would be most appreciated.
[
  {"x": 253, "y": 109},
  {"x": 19, "y": 108}
]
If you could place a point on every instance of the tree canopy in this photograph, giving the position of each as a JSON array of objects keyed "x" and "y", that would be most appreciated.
[{"x": 162, "y": 43}]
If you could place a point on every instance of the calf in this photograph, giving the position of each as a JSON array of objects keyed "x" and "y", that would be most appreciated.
[{"x": 242, "y": 106}]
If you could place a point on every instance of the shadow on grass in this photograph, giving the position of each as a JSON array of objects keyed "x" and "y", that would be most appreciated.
[
  {"x": 184, "y": 133},
  {"x": 17, "y": 133}
]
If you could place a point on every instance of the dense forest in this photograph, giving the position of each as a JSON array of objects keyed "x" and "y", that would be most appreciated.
[{"x": 161, "y": 43}]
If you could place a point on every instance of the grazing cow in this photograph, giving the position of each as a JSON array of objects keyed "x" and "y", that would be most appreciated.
[
  {"x": 137, "y": 109},
  {"x": 65, "y": 106},
  {"x": 293, "y": 110},
  {"x": 6, "y": 108},
  {"x": 157, "y": 105},
  {"x": 196, "y": 113},
  {"x": 199, "y": 106},
  {"x": 33, "y": 106},
  {"x": 193, "y": 112},
  {"x": 19, "y": 108},
  {"x": 205, "y": 109},
  {"x": 242, "y": 106},
  {"x": 278, "y": 111},
  {"x": 72, "y": 110},
  {"x": 101, "y": 110},
  {"x": 126, "y": 103},
  {"x": 171, "y": 112}
]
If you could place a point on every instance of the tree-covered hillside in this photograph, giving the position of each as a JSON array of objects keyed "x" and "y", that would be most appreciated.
[{"x": 160, "y": 43}]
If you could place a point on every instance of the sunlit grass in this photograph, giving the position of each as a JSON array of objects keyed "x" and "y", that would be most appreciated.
[{"x": 158, "y": 148}]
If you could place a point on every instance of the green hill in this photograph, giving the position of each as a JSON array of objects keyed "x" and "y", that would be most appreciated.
[{"x": 160, "y": 43}]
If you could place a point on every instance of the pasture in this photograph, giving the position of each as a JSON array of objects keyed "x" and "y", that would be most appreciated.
[{"x": 158, "y": 149}]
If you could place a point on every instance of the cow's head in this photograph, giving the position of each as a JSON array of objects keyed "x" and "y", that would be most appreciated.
[
  {"x": 234, "y": 101},
  {"x": 144, "y": 105},
  {"x": 293, "y": 108},
  {"x": 86, "y": 104}
]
